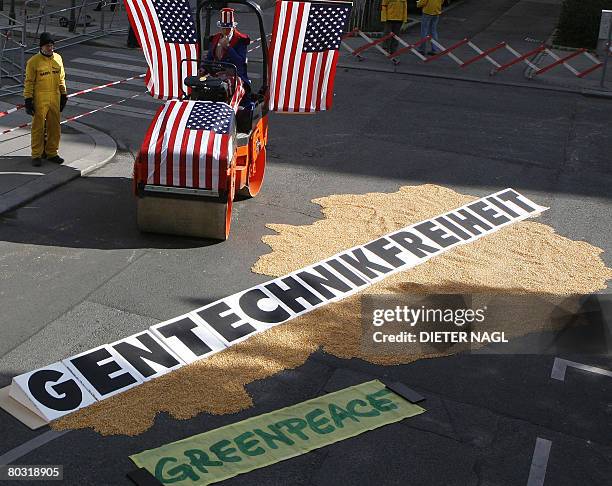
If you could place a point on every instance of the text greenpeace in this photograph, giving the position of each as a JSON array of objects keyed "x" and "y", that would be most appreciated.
[
  {"x": 272, "y": 437},
  {"x": 77, "y": 381}
]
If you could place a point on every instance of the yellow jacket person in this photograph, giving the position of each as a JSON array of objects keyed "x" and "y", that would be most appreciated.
[
  {"x": 430, "y": 7},
  {"x": 394, "y": 10},
  {"x": 393, "y": 13},
  {"x": 45, "y": 97}
]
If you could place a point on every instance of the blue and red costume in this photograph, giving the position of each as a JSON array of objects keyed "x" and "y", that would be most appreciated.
[{"x": 235, "y": 53}]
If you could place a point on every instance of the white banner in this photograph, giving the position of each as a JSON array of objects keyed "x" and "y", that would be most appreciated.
[{"x": 78, "y": 381}]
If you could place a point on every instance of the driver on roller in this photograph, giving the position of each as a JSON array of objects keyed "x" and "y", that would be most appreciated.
[{"x": 230, "y": 45}]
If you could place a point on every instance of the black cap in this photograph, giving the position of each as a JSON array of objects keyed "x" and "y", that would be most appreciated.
[{"x": 46, "y": 38}]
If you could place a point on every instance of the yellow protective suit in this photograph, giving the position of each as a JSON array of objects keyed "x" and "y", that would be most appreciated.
[
  {"x": 431, "y": 7},
  {"x": 45, "y": 81},
  {"x": 394, "y": 10}
]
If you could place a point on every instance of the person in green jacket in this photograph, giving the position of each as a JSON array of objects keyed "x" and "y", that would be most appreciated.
[
  {"x": 393, "y": 13},
  {"x": 429, "y": 22}
]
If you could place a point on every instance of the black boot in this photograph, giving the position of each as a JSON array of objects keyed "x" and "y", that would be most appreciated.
[
  {"x": 36, "y": 161},
  {"x": 57, "y": 159}
]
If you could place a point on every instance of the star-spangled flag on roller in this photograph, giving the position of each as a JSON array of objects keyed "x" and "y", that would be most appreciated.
[
  {"x": 166, "y": 32},
  {"x": 304, "y": 52},
  {"x": 189, "y": 144}
]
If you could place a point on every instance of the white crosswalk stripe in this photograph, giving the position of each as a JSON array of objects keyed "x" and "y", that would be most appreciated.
[
  {"x": 112, "y": 65},
  {"x": 117, "y": 55},
  {"x": 100, "y": 68},
  {"x": 111, "y": 91},
  {"x": 123, "y": 109},
  {"x": 98, "y": 76},
  {"x": 109, "y": 65}
]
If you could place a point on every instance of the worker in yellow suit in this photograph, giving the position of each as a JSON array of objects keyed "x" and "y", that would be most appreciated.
[
  {"x": 393, "y": 13},
  {"x": 45, "y": 97}
]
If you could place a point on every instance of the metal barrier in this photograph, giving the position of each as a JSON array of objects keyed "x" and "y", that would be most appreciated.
[
  {"x": 12, "y": 56},
  {"x": 481, "y": 54},
  {"x": 72, "y": 18},
  {"x": 19, "y": 32}
]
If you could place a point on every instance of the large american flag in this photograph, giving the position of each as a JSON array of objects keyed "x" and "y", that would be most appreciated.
[
  {"x": 167, "y": 34},
  {"x": 304, "y": 51},
  {"x": 189, "y": 144}
]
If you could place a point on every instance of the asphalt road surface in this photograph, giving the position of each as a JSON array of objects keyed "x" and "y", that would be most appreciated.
[{"x": 76, "y": 273}]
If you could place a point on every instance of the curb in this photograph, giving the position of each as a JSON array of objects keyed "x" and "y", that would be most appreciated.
[
  {"x": 448, "y": 77},
  {"x": 104, "y": 150},
  {"x": 593, "y": 93}
]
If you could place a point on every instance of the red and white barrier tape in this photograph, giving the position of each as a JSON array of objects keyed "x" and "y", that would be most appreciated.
[
  {"x": 25, "y": 125},
  {"x": 107, "y": 85},
  {"x": 78, "y": 93},
  {"x": 480, "y": 54}
]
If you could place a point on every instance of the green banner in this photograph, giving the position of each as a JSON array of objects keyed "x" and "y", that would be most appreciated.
[{"x": 272, "y": 437}]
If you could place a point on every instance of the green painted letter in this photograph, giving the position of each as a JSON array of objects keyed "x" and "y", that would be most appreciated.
[
  {"x": 177, "y": 473},
  {"x": 248, "y": 446},
  {"x": 338, "y": 415},
  {"x": 294, "y": 426},
  {"x": 382, "y": 404},
  {"x": 319, "y": 425},
  {"x": 223, "y": 452},
  {"x": 353, "y": 404},
  {"x": 278, "y": 436},
  {"x": 199, "y": 459}
]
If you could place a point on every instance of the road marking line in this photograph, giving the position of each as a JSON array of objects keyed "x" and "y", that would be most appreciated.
[
  {"x": 125, "y": 57},
  {"x": 125, "y": 110},
  {"x": 111, "y": 65},
  {"x": 20, "y": 173},
  {"x": 84, "y": 73},
  {"x": 116, "y": 92},
  {"x": 537, "y": 473},
  {"x": 560, "y": 365},
  {"x": 27, "y": 447}
]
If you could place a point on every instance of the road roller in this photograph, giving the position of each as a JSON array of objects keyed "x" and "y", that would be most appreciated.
[{"x": 206, "y": 147}]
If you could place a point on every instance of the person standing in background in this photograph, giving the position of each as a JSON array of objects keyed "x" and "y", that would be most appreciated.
[
  {"x": 393, "y": 13},
  {"x": 45, "y": 97},
  {"x": 429, "y": 23}
]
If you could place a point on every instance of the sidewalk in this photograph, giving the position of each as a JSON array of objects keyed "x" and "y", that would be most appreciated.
[
  {"x": 523, "y": 24},
  {"x": 83, "y": 148}
]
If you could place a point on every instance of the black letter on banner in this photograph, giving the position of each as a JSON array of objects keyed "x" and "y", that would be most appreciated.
[
  {"x": 289, "y": 297},
  {"x": 387, "y": 254},
  {"x": 414, "y": 244},
  {"x": 99, "y": 375},
  {"x": 503, "y": 207},
  {"x": 248, "y": 304},
  {"x": 454, "y": 228},
  {"x": 512, "y": 196},
  {"x": 346, "y": 272},
  {"x": 68, "y": 390},
  {"x": 360, "y": 262},
  {"x": 154, "y": 352},
  {"x": 223, "y": 325},
  {"x": 437, "y": 235},
  {"x": 328, "y": 279},
  {"x": 469, "y": 221},
  {"x": 182, "y": 331},
  {"x": 488, "y": 213}
]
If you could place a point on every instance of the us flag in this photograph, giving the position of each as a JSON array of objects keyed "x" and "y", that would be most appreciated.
[
  {"x": 167, "y": 34},
  {"x": 189, "y": 144},
  {"x": 304, "y": 51}
]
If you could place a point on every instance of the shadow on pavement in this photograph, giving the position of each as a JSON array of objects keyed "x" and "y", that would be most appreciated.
[{"x": 92, "y": 212}]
